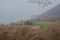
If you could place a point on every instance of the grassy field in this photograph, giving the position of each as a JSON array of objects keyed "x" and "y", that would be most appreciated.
[{"x": 45, "y": 24}]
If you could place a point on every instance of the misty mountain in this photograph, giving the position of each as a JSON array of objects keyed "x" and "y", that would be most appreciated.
[{"x": 51, "y": 15}]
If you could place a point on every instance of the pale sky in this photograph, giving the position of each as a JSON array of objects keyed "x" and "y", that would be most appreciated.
[{"x": 13, "y": 10}]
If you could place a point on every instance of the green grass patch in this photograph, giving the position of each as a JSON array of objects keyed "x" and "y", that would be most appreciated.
[{"x": 44, "y": 24}]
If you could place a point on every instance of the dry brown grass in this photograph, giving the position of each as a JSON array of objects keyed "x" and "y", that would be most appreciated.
[{"x": 52, "y": 32}]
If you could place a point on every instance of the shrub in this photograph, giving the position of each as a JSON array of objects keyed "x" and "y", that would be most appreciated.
[{"x": 52, "y": 32}]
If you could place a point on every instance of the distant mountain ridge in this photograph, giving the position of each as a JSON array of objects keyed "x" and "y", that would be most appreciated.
[{"x": 51, "y": 15}]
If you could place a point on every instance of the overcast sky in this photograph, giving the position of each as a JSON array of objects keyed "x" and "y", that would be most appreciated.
[{"x": 13, "y": 10}]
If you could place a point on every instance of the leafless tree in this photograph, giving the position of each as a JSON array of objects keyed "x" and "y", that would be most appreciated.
[{"x": 41, "y": 2}]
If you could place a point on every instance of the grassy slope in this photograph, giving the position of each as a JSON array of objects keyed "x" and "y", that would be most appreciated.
[{"x": 45, "y": 24}]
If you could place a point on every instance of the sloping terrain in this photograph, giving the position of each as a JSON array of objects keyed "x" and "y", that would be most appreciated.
[{"x": 51, "y": 15}]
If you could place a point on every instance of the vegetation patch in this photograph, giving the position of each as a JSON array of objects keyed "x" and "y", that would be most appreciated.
[{"x": 45, "y": 24}]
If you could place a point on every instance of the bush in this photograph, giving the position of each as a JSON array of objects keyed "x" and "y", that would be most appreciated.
[{"x": 52, "y": 32}]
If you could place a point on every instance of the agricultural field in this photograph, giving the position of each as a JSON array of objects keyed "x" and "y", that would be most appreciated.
[{"x": 45, "y": 24}]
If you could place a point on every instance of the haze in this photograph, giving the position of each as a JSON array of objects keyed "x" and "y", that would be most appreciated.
[{"x": 13, "y": 10}]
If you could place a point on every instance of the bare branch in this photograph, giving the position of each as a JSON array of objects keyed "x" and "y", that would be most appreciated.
[{"x": 41, "y": 2}]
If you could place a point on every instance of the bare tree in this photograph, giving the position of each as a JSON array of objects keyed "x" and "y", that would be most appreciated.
[{"x": 41, "y": 2}]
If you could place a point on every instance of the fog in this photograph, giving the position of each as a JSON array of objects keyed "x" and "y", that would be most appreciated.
[{"x": 13, "y": 10}]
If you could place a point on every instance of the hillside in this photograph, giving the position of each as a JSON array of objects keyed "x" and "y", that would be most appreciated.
[{"x": 51, "y": 15}]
